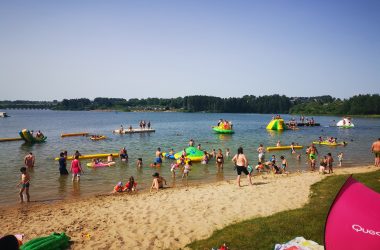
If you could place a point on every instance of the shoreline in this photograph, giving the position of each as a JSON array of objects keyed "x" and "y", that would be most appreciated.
[
  {"x": 164, "y": 219},
  {"x": 178, "y": 184}
]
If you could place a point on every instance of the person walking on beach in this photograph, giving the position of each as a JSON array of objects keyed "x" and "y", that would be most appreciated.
[
  {"x": 76, "y": 168},
  {"x": 158, "y": 182},
  {"x": 62, "y": 164},
  {"x": 29, "y": 160},
  {"x": 376, "y": 150},
  {"x": 25, "y": 182},
  {"x": 241, "y": 163}
]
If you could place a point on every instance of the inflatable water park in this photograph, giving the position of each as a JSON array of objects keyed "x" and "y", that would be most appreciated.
[
  {"x": 277, "y": 124},
  {"x": 28, "y": 137}
]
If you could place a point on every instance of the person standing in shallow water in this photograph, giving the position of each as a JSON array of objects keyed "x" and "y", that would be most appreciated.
[
  {"x": 62, "y": 164},
  {"x": 241, "y": 163},
  {"x": 25, "y": 182},
  {"x": 29, "y": 160}
]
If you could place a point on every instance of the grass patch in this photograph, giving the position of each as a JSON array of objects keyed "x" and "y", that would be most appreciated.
[{"x": 308, "y": 221}]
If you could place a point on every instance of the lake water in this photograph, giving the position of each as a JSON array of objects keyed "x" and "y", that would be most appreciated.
[{"x": 173, "y": 130}]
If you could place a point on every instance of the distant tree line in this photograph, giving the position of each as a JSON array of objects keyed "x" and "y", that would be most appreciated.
[{"x": 268, "y": 104}]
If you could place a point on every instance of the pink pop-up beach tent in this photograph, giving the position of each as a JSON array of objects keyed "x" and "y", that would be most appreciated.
[{"x": 354, "y": 219}]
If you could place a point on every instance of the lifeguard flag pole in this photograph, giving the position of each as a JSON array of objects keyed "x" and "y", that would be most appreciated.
[{"x": 353, "y": 221}]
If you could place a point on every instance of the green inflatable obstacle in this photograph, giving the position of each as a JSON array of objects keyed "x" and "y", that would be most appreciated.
[
  {"x": 51, "y": 242},
  {"x": 276, "y": 124},
  {"x": 27, "y": 136},
  {"x": 192, "y": 153}
]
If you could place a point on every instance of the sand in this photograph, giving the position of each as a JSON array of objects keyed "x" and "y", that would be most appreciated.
[{"x": 168, "y": 219}]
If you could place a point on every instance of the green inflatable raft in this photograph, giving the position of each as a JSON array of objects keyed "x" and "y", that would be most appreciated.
[
  {"x": 27, "y": 136},
  {"x": 220, "y": 130},
  {"x": 192, "y": 153},
  {"x": 51, "y": 242}
]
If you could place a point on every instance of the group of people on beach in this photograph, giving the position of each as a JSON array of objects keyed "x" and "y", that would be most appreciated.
[{"x": 239, "y": 159}]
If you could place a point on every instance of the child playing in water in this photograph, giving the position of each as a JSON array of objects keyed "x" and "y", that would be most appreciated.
[
  {"x": 76, "y": 168},
  {"x": 298, "y": 157},
  {"x": 25, "y": 182},
  {"x": 340, "y": 158},
  {"x": 118, "y": 188},
  {"x": 284, "y": 164},
  {"x": 155, "y": 165},
  {"x": 131, "y": 185},
  {"x": 205, "y": 158},
  {"x": 139, "y": 162},
  {"x": 292, "y": 150},
  {"x": 322, "y": 165},
  {"x": 227, "y": 153},
  {"x": 173, "y": 168},
  {"x": 186, "y": 169}
]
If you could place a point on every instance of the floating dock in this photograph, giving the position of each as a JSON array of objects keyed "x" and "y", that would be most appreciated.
[
  {"x": 75, "y": 134},
  {"x": 133, "y": 131},
  {"x": 10, "y": 139}
]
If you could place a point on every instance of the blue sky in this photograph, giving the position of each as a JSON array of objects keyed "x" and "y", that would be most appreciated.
[{"x": 136, "y": 49}]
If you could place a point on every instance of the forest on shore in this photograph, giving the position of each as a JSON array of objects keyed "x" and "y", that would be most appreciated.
[{"x": 268, "y": 104}]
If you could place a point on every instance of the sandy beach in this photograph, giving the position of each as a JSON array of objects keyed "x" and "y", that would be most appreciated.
[{"x": 168, "y": 219}]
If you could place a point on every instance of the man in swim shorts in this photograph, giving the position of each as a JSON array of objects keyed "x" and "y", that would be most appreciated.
[
  {"x": 158, "y": 156},
  {"x": 241, "y": 164},
  {"x": 313, "y": 152},
  {"x": 376, "y": 150},
  {"x": 25, "y": 183}
]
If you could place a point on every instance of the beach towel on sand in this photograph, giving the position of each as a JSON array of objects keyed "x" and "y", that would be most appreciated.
[{"x": 299, "y": 243}]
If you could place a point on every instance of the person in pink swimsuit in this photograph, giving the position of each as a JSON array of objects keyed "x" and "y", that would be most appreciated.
[{"x": 76, "y": 168}]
